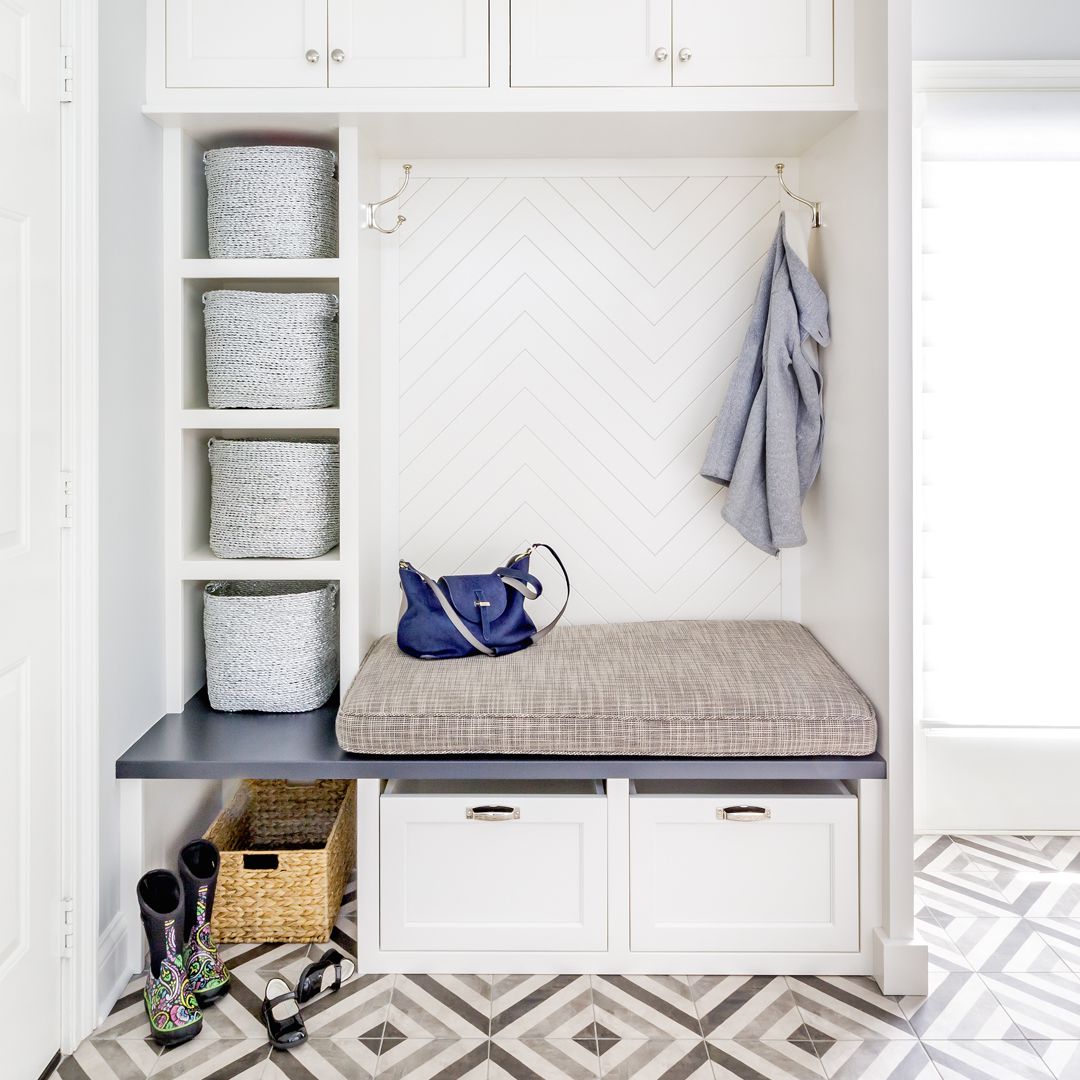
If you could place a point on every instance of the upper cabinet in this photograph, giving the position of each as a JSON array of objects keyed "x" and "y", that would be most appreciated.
[
  {"x": 671, "y": 42},
  {"x": 320, "y": 43},
  {"x": 590, "y": 42}
]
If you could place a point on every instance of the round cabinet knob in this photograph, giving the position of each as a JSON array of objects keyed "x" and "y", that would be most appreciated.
[
  {"x": 312, "y": 56},
  {"x": 337, "y": 55},
  {"x": 661, "y": 54},
  {"x": 685, "y": 54}
]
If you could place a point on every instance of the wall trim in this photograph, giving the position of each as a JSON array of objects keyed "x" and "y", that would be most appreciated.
[
  {"x": 79, "y": 546},
  {"x": 969, "y": 75},
  {"x": 114, "y": 964}
]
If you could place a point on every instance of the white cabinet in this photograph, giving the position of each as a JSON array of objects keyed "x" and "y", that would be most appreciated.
[
  {"x": 419, "y": 43},
  {"x": 590, "y": 42},
  {"x": 497, "y": 867},
  {"x": 223, "y": 43},
  {"x": 752, "y": 42},
  {"x": 742, "y": 869}
]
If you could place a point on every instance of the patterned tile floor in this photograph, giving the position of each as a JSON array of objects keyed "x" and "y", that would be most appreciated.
[{"x": 1001, "y": 915}]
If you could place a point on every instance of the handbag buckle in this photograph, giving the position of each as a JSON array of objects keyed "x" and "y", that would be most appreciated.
[{"x": 482, "y": 603}]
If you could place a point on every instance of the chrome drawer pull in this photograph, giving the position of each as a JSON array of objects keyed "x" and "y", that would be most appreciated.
[
  {"x": 743, "y": 813},
  {"x": 492, "y": 813}
]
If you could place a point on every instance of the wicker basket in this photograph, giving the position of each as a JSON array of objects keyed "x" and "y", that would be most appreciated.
[
  {"x": 271, "y": 202},
  {"x": 271, "y": 350},
  {"x": 273, "y": 498},
  {"x": 271, "y": 646},
  {"x": 286, "y": 853}
]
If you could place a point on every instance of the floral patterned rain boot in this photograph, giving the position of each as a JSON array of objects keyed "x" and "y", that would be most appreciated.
[
  {"x": 208, "y": 976},
  {"x": 171, "y": 1007}
]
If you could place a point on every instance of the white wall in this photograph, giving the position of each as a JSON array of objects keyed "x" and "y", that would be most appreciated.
[{"x": 996, "y": 29}]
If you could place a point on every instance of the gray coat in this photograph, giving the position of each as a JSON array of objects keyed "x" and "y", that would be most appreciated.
[{"x": 766, "y": 446}]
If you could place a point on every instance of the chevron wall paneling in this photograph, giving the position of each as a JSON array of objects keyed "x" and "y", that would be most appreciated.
[{"x": 563, "y": 346}]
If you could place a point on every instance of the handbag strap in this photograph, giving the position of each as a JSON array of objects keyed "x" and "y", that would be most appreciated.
[{"x": 566, "y": 577}]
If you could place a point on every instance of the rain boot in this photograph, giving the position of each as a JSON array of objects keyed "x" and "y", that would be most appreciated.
[
  {"x": 207, "y": 975},
  {"x": 171, "y": 1007}
]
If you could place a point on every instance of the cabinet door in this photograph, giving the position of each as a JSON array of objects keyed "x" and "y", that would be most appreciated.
[
  {"x": 753, "y": 42},
  {"x": 246, "y": 43},
  {"x": 590, "y": 42},
  {"x": 414, "y": 43}
]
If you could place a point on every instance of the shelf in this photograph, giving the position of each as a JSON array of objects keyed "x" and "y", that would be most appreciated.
[
  {"x": 262, "y": 419},
  {"x": 203, "y": 565},
  {"x": 259, "y": 268},
  {"x": 201, "y": 744}
]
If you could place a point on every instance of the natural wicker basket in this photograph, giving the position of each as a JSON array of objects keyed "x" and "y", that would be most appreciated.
[{"x": 286, "y": 853}]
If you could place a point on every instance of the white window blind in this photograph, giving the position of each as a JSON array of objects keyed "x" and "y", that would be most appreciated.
[{"x": 999, "y": 421}]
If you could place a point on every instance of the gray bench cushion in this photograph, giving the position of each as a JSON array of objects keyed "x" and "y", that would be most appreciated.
[{"x": 653, "y": 689}]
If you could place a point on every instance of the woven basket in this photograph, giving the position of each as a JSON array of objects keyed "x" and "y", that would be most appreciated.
[
  {"x": 271, "y": 202},
  {"x": 271, "y": 646},
  {"x": 273, "y": 498},
  {"x": 271, "y": 350},
  {"x": 286, "y": 853}
]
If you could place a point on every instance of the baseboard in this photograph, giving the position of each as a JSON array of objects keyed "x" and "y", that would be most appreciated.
[
  {"x": 901, "y": 965},
  {"x": 114, "y": 964}
]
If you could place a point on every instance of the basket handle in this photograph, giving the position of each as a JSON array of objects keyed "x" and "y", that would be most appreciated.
[{"x": 269, "y": 861}]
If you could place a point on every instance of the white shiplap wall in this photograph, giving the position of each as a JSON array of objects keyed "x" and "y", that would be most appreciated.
[{"x": 566, "y": 331}]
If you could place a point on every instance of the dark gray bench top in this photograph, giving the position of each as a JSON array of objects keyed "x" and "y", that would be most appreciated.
[{"x": 200, "y": 743}]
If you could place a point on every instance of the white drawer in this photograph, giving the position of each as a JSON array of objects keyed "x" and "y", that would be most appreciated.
[
  {"x": 785, "y": 880},
  {"x": 489, "y": 866}
]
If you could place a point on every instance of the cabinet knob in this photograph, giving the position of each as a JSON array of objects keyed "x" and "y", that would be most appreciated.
[
  {"x": 312, "y": 56},
  {"x": 661, "y": 54},
  {"x": 685, "y": 54},
  {"x": 337, "y": 55}
]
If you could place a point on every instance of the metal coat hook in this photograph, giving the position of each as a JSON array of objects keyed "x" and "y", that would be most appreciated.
[
  {"x": 815, "y": 207},
  {"x": 371, "y": 210}
]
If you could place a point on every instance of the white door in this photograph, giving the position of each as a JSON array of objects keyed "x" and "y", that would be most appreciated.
[
  {"x": 30, "y": 533},
  {"x": 590, "y": 42},
  {"x": 753, "y": 42},
  {"x": 246, "y": 43},
  {"x": 419, "y": 43}
]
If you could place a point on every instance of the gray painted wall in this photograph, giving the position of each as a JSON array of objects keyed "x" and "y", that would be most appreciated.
[{"x": 996, "y": 29}]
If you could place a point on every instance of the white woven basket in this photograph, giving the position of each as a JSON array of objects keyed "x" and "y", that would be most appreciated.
[
  {"x": 269, "y": 350},
  {"x": 271, "y": 202},
  {"x": 273, "y": 498},
  {"x": 271, "y": 646}
]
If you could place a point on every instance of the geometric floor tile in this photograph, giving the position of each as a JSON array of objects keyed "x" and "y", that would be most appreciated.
[
  {"x": 655, "y": 1059},
  {"x": 765, "y": 1060},
  {"x": 644, "y": 1006},
  {"x": 211, "y": 1059},
  {"x": 552, "y": 1059},
  {"x": 1043, "y": 894},
  {"x": 745, "y": 1007},
  {"x": 1003, "y": 945},
  {"x": 987, "y": 1060},
  {"x": 1061, "y": 852},
  {"x": 971, "y": 895},
  {"x": 324, "y": 1059},
  {"x": 441, "y": 1006},
  {"x": 959, "y": 1006},
  {"x": 1002, "y": 853},
  {"x": 942, "y": 951},
  {"x": 1062, "y": 1058},
  {"x": 432, "y": 1059},
  {"x": 869, "y": 1060},
  {"x": 357, "y": 1011},
  {"x": 1044, "y": 1005},
  {"x": 941, "y": 854},
  {"x": 110, "y": 1059},
  {"x": 541, "y": 1006},
  {"x": 848, "y": 1008},
  {"x": 1063, "y": 936}
]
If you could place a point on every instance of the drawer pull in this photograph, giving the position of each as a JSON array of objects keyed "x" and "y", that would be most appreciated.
[
  {"x": 743, "y": 813},
  {"x": 492, "y": 813}
]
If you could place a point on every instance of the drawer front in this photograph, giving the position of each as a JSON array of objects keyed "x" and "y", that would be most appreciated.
[
  {"x": 743, "y": 882},
  {"x": 492, "y": 873}
]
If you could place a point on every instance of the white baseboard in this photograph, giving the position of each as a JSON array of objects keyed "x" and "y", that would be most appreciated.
[
  {"x": 901, "y": 965},
  {"x": 114, "y": 964}
]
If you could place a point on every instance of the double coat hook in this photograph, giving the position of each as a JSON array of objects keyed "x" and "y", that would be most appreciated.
[{"x": 371, "y": 210}]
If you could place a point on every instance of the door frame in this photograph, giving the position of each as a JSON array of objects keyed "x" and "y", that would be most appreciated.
[{"x": 79, "y": 721}]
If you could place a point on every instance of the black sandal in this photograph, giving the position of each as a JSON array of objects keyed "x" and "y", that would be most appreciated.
[
  {"x": 313, "y": 981},
  {"x": 281, "y": 1014}
]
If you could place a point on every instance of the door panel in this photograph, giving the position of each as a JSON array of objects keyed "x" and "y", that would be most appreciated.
[
  {"x": 753, "y": 42},
  {"x": 30, "y": 532},
  {"x": 590, "y": 42},
  {"x": 217, "y": 43},
  {"x": 420, "y": 43}
]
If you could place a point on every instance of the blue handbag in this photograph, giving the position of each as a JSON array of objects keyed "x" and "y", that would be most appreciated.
[{"x": 464, "y": 614}]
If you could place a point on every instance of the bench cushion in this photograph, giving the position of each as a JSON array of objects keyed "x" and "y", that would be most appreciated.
[{"x": 653, "y": 689}]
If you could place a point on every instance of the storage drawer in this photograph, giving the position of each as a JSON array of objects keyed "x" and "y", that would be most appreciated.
[
  {"x": 748, "y": 868},
  {"x": 488, "y": 866}
]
